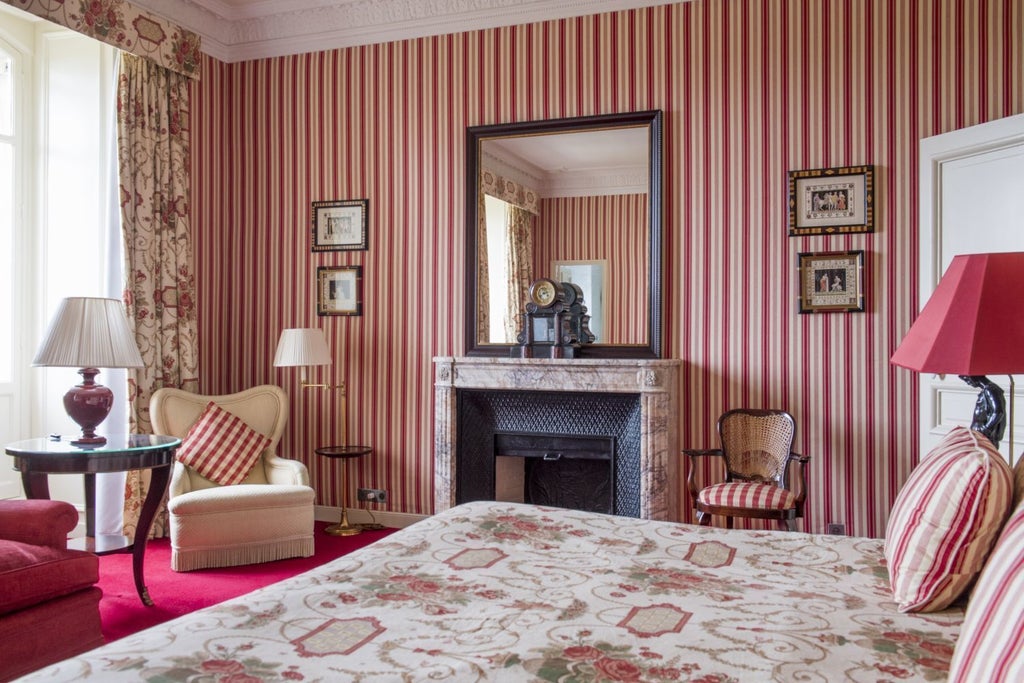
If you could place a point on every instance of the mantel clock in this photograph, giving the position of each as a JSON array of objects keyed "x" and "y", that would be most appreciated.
[{"x": 555, "y": 321}]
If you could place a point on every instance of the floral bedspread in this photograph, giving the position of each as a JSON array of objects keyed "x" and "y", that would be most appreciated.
[{"x": 505, "y": 592}]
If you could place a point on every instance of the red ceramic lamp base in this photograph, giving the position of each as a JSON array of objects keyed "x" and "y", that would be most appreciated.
[{"x": 88, "y": 404}]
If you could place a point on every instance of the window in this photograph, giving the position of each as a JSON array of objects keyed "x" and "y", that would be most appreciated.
[
  {"x": 58, "y": 215},
  {"x": 497, "y": 272}
]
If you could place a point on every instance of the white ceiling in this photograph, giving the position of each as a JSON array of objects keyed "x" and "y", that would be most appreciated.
[
  {"x": 578, "y": 164},
  {"x": 237, "y": 30}
]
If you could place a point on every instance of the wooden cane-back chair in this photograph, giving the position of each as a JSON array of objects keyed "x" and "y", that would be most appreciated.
[{"x": 757, "y": 448}]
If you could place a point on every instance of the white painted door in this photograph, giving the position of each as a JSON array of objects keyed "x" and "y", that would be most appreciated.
[{"x": 972, "y": 201}]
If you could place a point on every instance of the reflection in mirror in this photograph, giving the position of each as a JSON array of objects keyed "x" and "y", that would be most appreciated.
[
  {"x": 568, "y": 199},
  {"x": 589, "y": 275}
]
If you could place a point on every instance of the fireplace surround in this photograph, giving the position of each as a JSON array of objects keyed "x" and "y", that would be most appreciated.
[{"x": 646, "y": 450}]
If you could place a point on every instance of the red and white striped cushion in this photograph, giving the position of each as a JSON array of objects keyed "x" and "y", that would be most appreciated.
[
  {"x": 745, "y": 494},
  {"x": 991, "y": 642},
  {"x": 221, "y": 446},
  {"x": 944, "y": 521}
]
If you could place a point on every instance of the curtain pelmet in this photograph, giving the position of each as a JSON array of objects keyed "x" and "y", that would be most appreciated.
[{"x": 126, "y": 27}]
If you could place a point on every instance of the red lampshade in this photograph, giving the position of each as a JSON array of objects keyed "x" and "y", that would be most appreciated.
[{"x": 974, "y": 322}]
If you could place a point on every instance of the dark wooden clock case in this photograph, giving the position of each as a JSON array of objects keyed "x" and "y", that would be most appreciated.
[{"x": 560, "y": 329}]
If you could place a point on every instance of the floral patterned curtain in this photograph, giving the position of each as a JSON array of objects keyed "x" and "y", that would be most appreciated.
[
  {"x": 510, "y": 191},
  {"x": 483, "y": 274},
  {"x": 126, "y": 27},
  {"x": 519, "y": 250},
  {"x": 153, "y": 152},
  {"x": 524, "y": 204}
]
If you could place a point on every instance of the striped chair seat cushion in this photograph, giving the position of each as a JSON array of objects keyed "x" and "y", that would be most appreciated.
[{"x": 745, "y": 494}]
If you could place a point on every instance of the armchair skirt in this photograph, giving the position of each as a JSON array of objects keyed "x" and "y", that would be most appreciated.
[{"x": 243, "y": 524}]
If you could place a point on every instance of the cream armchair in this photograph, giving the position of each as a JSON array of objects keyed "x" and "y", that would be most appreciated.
[{"x": 269, "y": 516}]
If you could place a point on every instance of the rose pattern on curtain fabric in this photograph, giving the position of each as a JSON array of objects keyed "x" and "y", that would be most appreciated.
[
  {"x": 126, "y": 27},
  {"x": 153, "y": 153}
]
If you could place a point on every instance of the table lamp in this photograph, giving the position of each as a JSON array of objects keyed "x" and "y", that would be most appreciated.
[
  {"x": 972, "y": 326},
  {"x": 89, "y": 333}
]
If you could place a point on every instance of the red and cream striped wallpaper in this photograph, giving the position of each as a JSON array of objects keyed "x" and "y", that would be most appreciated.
[
  {"x": 750, "y": 90},
  {"x": 609, "y": 228}
]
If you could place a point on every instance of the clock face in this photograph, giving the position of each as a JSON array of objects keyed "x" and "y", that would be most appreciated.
[{"x": 542, "y": 292}]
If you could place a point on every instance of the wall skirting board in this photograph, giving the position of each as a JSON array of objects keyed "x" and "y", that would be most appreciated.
[{"x": 393, "y": 520}]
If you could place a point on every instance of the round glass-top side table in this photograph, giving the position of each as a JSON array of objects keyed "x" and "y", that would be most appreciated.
[
  {"x": 343, "y": 528},
  {"x": 38, "y": 458}
]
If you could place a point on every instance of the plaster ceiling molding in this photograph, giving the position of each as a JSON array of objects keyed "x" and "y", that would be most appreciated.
[
  {"x": 239, "y": 30},
  {"x": 516, "y": 170},
  {"x": 596, "y": 183}
]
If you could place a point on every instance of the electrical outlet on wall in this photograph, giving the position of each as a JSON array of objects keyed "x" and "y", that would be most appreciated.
[
  {"x": 372, "y": 495},
  {"x": 835, "y": 529}
]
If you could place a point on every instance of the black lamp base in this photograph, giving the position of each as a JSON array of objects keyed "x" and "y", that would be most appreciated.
[{"x": 990, "y": 410}]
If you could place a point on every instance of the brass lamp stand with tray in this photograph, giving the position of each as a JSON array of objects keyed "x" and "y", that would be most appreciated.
[{"x": 343, "y": 528}]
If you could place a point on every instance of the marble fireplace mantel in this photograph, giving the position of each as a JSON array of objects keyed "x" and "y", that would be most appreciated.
[{"x": 655, "y": 381}]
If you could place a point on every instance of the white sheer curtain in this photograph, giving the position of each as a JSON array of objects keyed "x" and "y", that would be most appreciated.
[{"x": 110, "y": 487}]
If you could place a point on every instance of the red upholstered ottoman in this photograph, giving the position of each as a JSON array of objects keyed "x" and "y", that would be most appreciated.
[{"x": 49, "y": 605}]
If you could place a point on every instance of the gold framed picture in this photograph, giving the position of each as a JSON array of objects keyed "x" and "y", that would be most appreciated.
[
  {"x": 831, "y": 281},
  {"x": 829, "y": 201},
  {"x": 341, "y": 225},
  {"x": 339, "y": 290}
]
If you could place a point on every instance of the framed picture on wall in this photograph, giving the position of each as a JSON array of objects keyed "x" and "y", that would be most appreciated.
[
  {"x": 341, "y": 225},
  {"x": 339, "y": 290},
  {"x": 827, "y": 201},
  {"x": 831, "y": 281}
]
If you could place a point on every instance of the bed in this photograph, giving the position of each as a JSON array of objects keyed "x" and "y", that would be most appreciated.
[{"x": 492, "y": 591}]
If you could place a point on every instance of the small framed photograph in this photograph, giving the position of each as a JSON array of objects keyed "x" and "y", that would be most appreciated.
[
  {"x": 828, "y": 201},
  {"x": 339, "y": 290},
  {"x": 831, "y": 281},
  {"x": 340, "y": 225}
]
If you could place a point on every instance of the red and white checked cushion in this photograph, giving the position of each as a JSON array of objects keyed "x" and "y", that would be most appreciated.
[
  {"x": 221, "y": 446},
  {"x": 745, "y": 494},
  {"x": 944, "y": 521},
  {"x": 991, "y": 642}
]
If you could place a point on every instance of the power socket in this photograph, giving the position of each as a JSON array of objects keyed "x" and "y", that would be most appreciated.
[
  {"x": 835, "y": 529},
  {"x": 372, "y": 495}
]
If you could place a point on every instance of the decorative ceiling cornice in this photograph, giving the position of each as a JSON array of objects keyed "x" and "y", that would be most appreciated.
[{"x": 238, "y": 30}]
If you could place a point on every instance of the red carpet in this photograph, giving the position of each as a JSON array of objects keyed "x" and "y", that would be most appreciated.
[{"x": 174, "y": 593}]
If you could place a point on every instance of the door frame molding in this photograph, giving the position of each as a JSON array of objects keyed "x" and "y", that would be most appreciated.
[{"x": 936, "y": 151}]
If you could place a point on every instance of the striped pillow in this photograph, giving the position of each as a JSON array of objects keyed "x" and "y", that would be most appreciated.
[
  {"x": 991, "y": 643},
  {"x": 944, "y": 521},
  {"x": 221, "y": 447}
]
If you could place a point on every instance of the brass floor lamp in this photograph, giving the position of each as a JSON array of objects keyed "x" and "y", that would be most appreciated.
[{"x": 306, "y": 347}]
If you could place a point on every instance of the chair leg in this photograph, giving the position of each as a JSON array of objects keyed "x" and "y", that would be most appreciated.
[{"x": 728, "y": 522}]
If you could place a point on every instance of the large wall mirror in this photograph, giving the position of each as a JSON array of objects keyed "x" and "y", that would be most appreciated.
[{"x": 576, "y": 200}]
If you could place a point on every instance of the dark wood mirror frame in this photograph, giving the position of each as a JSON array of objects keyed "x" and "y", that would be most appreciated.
[{"x": 477, "y": 134}]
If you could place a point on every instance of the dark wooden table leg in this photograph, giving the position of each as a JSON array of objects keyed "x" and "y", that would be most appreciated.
[
  {"x": 36, "y": 484},
  {"x": 90, "y": 504},
  {"x": 157, "y": 487}
]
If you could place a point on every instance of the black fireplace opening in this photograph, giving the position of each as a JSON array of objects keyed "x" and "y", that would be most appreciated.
[
  {"x": 558, "y": 470},
  {"x": 563, "y": 449}
]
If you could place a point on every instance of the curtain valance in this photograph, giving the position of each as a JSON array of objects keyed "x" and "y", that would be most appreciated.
[
  {"x": 510, "y": 191},
  {"x": 126, "y": 27}
]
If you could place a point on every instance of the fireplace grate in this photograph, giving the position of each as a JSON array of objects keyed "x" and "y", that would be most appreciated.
[{"x": 484, "y": 413}]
